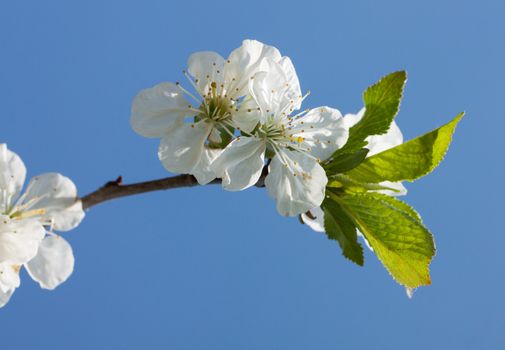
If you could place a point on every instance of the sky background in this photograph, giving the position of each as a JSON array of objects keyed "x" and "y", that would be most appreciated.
[{"x": 208, "y": 269}]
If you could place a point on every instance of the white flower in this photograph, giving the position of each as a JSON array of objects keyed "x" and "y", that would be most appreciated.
[
  {"x": 26, "y": 223},
  {"x": 376, "y": 144},
  {"x": 295, "y": 143},
  {"x": 222, "y": 105}
]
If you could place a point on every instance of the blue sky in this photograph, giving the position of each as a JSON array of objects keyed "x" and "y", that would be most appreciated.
[{"x": 207, "y": 269}]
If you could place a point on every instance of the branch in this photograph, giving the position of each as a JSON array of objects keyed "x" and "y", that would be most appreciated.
[{"x": 116, "y": 189}]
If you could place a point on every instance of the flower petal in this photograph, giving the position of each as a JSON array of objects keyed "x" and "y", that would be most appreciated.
[
  {"x": 241, "y": 163},
  {"x": 53, "y": 264},
  {"x": 377, "y": 143},
  {"x": 9, "y": 277},
  {"x": 57, "y": 196},
  {"x": 272, "y": 93},
  {"x": 5, "y": 297},
  {"x": 296, "y": 181},
  {"x": 247, "y": 116},
  {"x": 182, "y": 147},
  {"x": 316, "y": 221},
  {"x": 322, "y": 130},
  {"x": 157, "y": 110},
  {"x": 291, "y": 79},
  {"x": 206, "y": 67},
  {"x": 244, "y": 62},
  {"x": 398, "y": 186},
  {"x": 12, "y": 177},
  {"x": 358, "y": 232},
  {"x": 351, "y": 119},
  {"x": 19, "y": 239},
  {"x": 9, "y": 281},
  {"x": 203, "y": 171}
]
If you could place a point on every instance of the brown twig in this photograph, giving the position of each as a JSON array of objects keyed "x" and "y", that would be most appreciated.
[{"x": 116, "y": 189}]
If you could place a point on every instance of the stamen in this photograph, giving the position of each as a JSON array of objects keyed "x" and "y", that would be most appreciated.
[
  {"x": 187, "y": 92},
  {"x": 193, "y": 83}
]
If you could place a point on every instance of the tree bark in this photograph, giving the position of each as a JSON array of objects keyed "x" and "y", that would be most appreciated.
[{"x": 116, "y": 189}]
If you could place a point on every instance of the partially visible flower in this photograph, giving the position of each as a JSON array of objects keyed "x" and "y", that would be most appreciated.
[
  {"x": 27, "y": 222},
  {"x": 221, "y": 106},
  {"x": 376, "y": 144},
  {"x": 294, "y": 143}
]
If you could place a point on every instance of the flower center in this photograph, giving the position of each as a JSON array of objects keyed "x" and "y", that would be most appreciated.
[
  {"x": 215, "y": 107},
  {"x": 279, "y": 134}
]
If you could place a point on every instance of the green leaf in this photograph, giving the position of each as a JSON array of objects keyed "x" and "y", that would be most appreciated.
[
  {"x": 340, "y": 227},
  {"x": 410, "y": 160},
  {"x": 402, "y": 206},
  {"x": 349, "y": 184},
  {"x": 382, "y": 101},
  {"x": 346, "y": 162},
  {"x": 401, "y": 242}
]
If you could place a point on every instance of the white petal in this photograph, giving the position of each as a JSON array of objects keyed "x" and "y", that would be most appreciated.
[
  {"x": 377, "y": 143},
  {"x": 9, "y": 277},
  {"x": 206, "y": 67},
  {"x": 323, "y": 131},
  {"x": 181, "y": 148},
  {"x": 247, "y": 116},
  {"x": 351, "y": 119},
  {"x": 57, "y": 196},
  {"x": 296, "y": 181},
  {"x": 156, "y": 110},
  {"x": 19, "y": 239},
  {"x": 291, "y": 79},
  {"x": 317, "y": 221},
  {"x": 5, "y": 297},
  {"x": 203, "y": 171},
  {"x": 12, "y": 177},
  {"x": 53, "y": 264},
  {"x": 317, "y": 224},
  {"x": 245, "y": 61},
  {"x": 241, "y": 163},
  {"x": 358, "y": 232},
  {"x": 398, "y": 186},
  {"x": 272, "y": 93}
]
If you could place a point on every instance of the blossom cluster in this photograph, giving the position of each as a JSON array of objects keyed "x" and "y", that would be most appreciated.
[
  {"x": 241, "y": 121},
  {"x": 242, "y": 114},
  {"x": 27, "y": 224}
]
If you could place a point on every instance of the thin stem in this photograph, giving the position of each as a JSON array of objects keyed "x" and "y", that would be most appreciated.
[{"x": 116, "y": 189}]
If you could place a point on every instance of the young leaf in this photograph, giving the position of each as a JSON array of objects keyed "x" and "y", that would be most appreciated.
[
  {"x": 402, "y": 206},
  {"x": 349, "y": 184},
  {"x": 346, "y": 162},
  {"x": 401, "y": 242},
  {"x": 340, "y": 227},
  {"x": 382, "y": 101},
  {"x": 408, "y": 161}
]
